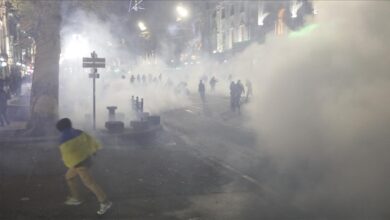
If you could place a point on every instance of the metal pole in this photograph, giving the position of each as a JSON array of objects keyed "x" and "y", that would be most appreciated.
[{"x": 94, "y": 100}]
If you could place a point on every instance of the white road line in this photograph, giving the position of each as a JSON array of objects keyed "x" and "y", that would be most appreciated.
[
  {"x": 222, "y": 164},
  {"x": 189, "y": 111}
]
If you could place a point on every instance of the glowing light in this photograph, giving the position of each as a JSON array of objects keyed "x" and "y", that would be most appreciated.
[
  {"x": 295, "y": 6},
  {"x": 304, "y": 31},
  {"x": 182, "y": 11},
  {"x": 261, "y": 18},
  {"x": 279, "y": 26},
  {"x": 3, "y": 64},
  {"x": 75, "y": 47},
  {"x": 261, "y": 14},
  {"x": 142, "y": 26}
]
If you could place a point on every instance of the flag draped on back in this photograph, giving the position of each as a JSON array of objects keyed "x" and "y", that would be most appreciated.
[{"x": 77, "y": 147}]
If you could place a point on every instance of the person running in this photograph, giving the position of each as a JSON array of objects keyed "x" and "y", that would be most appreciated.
[{"x": 77, "y": 148}]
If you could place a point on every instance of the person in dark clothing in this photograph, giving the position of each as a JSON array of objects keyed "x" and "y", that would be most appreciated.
[
  {"x": 4, "y": 96},
  {"x": 239, "y": 91},
  {"x": 132, "y": 79},
  {"x": 232, "y": 96},
  {"x": 202, "y": 91}
]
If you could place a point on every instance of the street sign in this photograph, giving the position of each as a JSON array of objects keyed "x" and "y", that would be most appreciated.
[
  {"x": 94, "y": 65},
  {"x": 94, "y": 62},
  {"x": 94, "y": 75}
]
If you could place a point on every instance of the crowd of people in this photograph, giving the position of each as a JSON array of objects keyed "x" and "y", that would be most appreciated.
[
  {"x": 10, "y": 86},
  {"x": 237, "y": 90},
  {"x": 145, "y": 78}
]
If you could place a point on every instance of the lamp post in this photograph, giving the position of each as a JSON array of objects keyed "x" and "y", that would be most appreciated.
[
  {"x": 182, "y": 12},
  {"x": 142, "y": 26}
]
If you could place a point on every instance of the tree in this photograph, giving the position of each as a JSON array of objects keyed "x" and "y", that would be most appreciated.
[{"x": 42, "y": 19}]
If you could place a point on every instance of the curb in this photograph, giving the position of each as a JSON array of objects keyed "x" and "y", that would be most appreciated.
[{"x": 101, "y": 134}]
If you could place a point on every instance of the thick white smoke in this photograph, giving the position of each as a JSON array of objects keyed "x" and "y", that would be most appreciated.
[
  {"x": 322, "y": 110},
  {"x": 83, "y": 33}
]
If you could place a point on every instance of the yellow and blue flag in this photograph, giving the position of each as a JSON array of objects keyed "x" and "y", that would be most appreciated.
[{"x": 76, "y": 146}]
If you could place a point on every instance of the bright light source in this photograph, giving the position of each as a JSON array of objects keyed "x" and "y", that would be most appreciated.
[
  {"x": 75, "y": 47},
  {"x": 18, "y": 64},
  {"x": 182, "y": 11},
  {"x": 261, "y": 14},
  {"x": 142, "y": 26},
  {"x": 261, "y": 17},
  {"x": 214, "y": 51},
  {"x": 295, "y": 6},
  {"x": 3, "y": 64}
]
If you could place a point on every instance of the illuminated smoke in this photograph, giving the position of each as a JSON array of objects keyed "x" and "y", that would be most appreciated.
[{"x": 261, "y": 14}]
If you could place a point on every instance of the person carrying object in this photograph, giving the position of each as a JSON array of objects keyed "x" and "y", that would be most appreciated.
[{"x": 77, "y": 149}]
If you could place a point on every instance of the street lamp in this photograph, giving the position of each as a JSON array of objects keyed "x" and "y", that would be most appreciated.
[
  {"x": 142, "y": 26},
  {"x": 182, "y": 12}
]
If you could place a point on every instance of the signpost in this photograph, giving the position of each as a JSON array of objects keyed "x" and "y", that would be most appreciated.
[{"x": 94, "y": 63}]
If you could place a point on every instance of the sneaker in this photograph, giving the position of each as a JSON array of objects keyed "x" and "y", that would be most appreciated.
[
  {"x": 72, "y": 201},
  {"x": 104, "y": 207}
]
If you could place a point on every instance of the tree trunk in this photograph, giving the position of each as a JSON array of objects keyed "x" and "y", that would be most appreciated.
[{"x": 44, "y": 91}]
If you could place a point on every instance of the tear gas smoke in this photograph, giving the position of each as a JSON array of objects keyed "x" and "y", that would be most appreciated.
[
  {"x": 322, "y": 111},
  {"x": 83, "y": 33}
]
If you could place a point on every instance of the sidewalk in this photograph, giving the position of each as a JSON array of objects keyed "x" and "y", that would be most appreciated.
[{"x": 15, "y": 125}]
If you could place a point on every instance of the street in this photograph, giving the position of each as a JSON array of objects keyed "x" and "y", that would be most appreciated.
[{"x": 184, "y": 174}]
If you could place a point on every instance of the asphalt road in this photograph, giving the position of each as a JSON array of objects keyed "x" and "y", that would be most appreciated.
[{"x": 172, "y": 177}]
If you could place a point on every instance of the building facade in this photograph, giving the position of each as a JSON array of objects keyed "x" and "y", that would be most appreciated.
[
  {"x": 230, "y": 26},
  {"x": 17, "y": 48}
]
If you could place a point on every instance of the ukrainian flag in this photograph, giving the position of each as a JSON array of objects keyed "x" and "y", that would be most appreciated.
[{"x": 77, "y": 147}]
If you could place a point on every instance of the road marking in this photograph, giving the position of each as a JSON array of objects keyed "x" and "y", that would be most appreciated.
[
  {"x": 220, "y": 163},
  {"x": 189, "y": 111}
]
